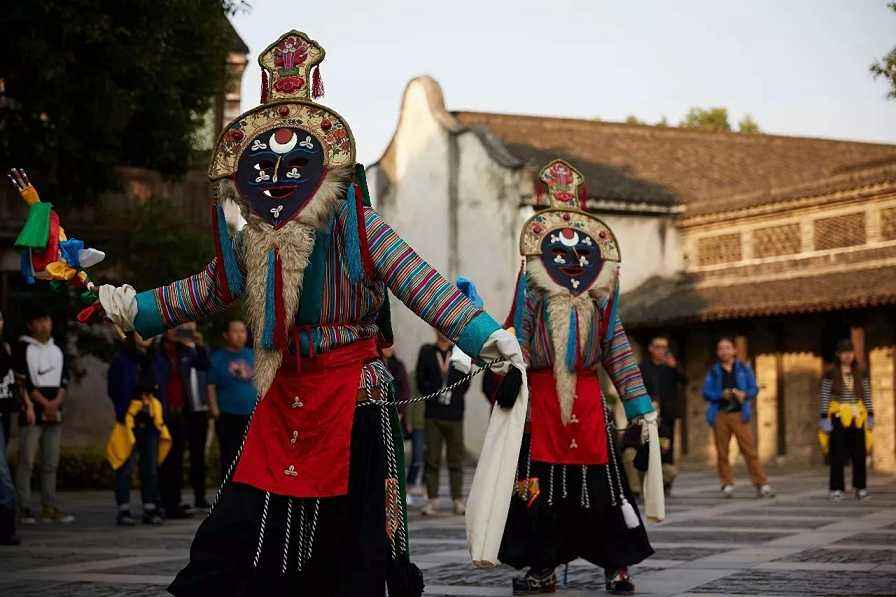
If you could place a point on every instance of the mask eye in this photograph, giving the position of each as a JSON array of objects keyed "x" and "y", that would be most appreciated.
[
  {"x": 294, "y": 167},
  {"x": 264, "y": 169}
]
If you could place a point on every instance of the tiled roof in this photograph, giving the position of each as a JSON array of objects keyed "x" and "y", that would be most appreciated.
[
  {"x": 704, "y": 171},
  {"x": 663, "y": 301}
]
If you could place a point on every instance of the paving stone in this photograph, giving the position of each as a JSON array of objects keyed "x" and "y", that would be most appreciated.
[
  {"x": 869, "y": 539},
  {"x": 843, "y": 556},
  {"x": 800, "y": 582},
  {"x": 742, "y": 522},
  {"x": 659, "y": 534}
]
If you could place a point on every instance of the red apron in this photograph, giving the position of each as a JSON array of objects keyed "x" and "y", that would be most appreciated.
[
  {"x": 584, "y": 439},
  {"x": 300, "y": 439}
]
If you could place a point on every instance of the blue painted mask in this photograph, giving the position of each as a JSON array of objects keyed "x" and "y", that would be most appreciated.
[
  {"x": 279, "y": 172},
  {"x": 571, "y": 258}
]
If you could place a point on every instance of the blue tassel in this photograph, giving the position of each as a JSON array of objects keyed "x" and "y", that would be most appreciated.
[
  {"x": 519, "y": 304},
  {"x": 270, "y": 318},
  {"x": 352, "y": 242},
  {"x": 611, "y": 320},
  {"x": 69, "y": 250},
  {"x": 27, "y": 269},
  {"x": 572, "y": 343},
  {"x": 235, "y": 278}
]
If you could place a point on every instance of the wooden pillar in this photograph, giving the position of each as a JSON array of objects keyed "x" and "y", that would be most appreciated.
[
  {"x": 766, "y": 411},
  {"x": 857, "y": 336},
  {"x": 699, "y": 436},
  {"x": 882, "y": 371}
]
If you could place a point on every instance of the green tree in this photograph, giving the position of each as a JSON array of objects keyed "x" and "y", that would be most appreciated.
[
  {"x": 632, "y": 119},
  {"x": 748, "y": 125},
  {"x": 711, "y": 119},
  {"x": 95, "y": 84},
  {"x": 886, "y": 66}
]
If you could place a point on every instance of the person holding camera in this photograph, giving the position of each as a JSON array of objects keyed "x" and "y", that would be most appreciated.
[
  {"x": 730, "y": 388},
  {"x": 181, "y": 363}
]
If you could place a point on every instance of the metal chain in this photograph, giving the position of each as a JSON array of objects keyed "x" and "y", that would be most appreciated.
[
  {"x": 392, "y": 473},
  {"x": 551, "y": 487},
  {"x": 300, "y": 552},
  {"x": 310, "y": 546},
  {"x": 285, "y": 562},
  {"x": 586, "y": 499},
  {"x": 450, "y": 387},
  {"x": 563, "y": 479},
  {"x": 261, "y": 529}
]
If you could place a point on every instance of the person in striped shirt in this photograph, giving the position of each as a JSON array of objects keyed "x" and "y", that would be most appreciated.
[
  {"x": 846, "y": 418},
  {"x": 313, "y": 503}
]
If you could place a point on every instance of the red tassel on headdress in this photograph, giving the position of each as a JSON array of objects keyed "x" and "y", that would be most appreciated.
[
  {"x": 280, "y": 339},
  {"x": 541, "y": 193},
  {"x": 366, "y": 259},
  {"x": 264, "y": 86},
  {"x": 583, "y": 197},
  {"x": 317, "y": 84}
]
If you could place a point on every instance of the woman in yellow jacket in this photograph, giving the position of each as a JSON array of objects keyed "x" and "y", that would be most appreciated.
[{"x": 847, "y": 416}]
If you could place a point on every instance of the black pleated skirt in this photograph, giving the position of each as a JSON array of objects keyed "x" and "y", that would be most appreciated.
[
  {"x": 572, "y": 517},
  {"x": 332, "y": 547}
]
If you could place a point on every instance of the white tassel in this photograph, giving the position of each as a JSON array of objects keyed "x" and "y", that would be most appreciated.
[{"x": 628, "y": 513}]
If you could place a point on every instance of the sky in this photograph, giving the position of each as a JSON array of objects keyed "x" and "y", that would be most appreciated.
[{"x": 798, "y": 67}]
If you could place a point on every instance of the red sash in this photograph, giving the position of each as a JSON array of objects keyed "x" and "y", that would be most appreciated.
[
  {"x": 584, "y": 439},
  {"x": 300, "y": 439}
]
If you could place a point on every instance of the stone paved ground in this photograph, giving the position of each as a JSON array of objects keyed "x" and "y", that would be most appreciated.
[{"x": 795, "y": 544}]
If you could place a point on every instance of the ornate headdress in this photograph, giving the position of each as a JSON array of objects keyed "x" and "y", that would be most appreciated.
[
  {"x": 561, "y": 189},
  {"x": 288, "y": 90}
]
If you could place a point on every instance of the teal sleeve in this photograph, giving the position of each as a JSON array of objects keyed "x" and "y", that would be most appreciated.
[
  {"x": 476, "y": 333},
  {"x": 148, "y": 322},
  {"x": 635, "y": 407}
]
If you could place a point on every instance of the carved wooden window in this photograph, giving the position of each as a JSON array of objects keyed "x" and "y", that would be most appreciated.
[
  {"x": 715, "y": 250},
  {"x": 888, "y": 224},
  {"x": 840, "y": 231},
  {"x": 777, "y": 240}
]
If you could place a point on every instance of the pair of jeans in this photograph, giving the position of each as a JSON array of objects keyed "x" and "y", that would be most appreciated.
[
  {"x": 728, "y": 424},
  {"x": 230, "y": 429},
  {"x": 451, "y": 434},
  {"x": 146, "y": 449},
  {"x": 7, "y": 488},
  {"x": 188, "y": 432},
  {"x": 415, "y": 468},
  {"x": 47, "y": 438},
  {"x": 847, "y": 445}
]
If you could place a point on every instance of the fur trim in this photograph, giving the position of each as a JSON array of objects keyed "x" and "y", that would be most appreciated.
[
  {"x": 559, "y": 307},
  {"x": 295, "y": 241}
]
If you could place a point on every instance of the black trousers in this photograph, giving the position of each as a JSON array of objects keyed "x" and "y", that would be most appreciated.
[
  {"x": 230, "y": 429},
  {"x": 188, "y": 432},
  {"x": 847, "y": 445}
]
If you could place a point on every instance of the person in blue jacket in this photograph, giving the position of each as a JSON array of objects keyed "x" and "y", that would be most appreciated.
[
  {"x": 730, "y": 389},
  {"x": 129, "y": 371}
]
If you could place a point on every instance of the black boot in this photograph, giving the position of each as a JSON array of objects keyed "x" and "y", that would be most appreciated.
[
  {"x": 535, "y": 583},
  {"x": 8, "y": 527},
  {"x": 619, "y": 582}
]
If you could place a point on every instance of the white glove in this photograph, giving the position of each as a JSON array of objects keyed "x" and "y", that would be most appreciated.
[
  {"x": 460, "y": 360},
  {"x": 503, "y": 345},
  {"x": 120, "y": 305}
]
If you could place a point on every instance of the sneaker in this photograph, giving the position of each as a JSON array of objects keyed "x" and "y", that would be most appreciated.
[
  {"x": 152, "y": 517},
  {"x": 28, "y": 516},
  {"x": 727, "y": 491},
  {"x": 54, "y": 514},
  {"x": 429, "y": 509},
  {"x": 124, "y": 519},
  {"x": 862, "y": 494},
  {"x": 619, "y": 582},
  {"x": 459, "y": 508},
  {"x": 535, "y": 584},
  {"x": 765, "y": 491},
  {"x": 835, "y": 495}
]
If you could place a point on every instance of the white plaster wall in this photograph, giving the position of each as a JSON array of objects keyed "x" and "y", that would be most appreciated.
[
  {"x": 649, "y": 246},
  {"x": 488, "y": 254},
  {"x": 416, "y": 206}
]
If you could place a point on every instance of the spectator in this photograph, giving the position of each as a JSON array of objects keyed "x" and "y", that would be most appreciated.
[
  {"x": 181, "y": 364},
  {"x": 730, "y": 387},
  {"x": 43, "y": 370},
  {"x": 663, "y": 379},
  {"x": 132, "y": 389},
  {"x": 9, "y": 403},
  {"x": 444, "y": 422},
  {"x": 847, "y": 415},
  {"x": 231, "y": 391}
]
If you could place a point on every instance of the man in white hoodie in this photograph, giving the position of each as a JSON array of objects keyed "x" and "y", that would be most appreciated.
[{"x": 42, "y": 369}]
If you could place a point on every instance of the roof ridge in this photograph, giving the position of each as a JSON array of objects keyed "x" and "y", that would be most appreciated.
[{"x": 672, "y": 129}]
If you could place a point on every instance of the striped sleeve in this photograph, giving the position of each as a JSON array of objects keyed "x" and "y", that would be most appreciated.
[
  {"x": 825, "y": 396},
  {"x": 619, "y": 362},
  {"x": 191, "y": 299},
  {"x": 866, "y": 395},
  {"x": 421, "y": 288}
]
